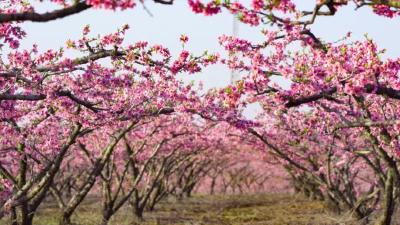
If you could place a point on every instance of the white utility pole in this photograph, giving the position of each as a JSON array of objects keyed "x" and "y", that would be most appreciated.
[{"x": 235, "y": 30}]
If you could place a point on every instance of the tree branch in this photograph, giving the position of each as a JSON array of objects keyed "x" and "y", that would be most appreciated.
[
  {"x": 369, "y": 88},
  {"x": 45, "y": 17}
]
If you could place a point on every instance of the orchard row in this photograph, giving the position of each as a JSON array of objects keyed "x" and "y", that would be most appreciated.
[{"x": 117, "y": 122}]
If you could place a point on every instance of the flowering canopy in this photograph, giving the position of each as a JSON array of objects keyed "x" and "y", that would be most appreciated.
[{"x": 117, "y": 108}]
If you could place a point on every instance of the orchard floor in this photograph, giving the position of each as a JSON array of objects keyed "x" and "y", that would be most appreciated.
[{"x": 259, "y": 209}]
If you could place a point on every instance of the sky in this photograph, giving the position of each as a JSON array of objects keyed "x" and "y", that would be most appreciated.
[{"x": 169, "y": 22}]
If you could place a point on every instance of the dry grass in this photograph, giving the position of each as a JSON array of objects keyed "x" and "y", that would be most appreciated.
[{"x": 268, "y": 209}]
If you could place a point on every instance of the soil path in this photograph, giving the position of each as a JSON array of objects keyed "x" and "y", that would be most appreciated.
[{"x": 265, "y": 209}]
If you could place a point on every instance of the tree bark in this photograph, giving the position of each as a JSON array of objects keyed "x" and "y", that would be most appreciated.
[{"x": 388, "y": 201}]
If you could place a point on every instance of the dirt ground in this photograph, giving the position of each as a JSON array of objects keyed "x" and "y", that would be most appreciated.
[{"x": 268, "y": 209}]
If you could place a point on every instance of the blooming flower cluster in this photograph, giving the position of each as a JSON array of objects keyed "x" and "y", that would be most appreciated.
[
  {"x": 385, "y": 10},
  {"x": 112, "y": 4}
]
